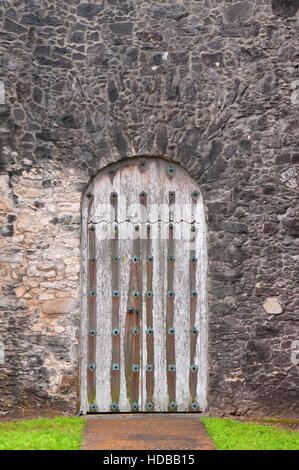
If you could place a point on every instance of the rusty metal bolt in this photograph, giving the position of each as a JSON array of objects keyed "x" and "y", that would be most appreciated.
[
  {"x": 135, "y": 294},
  {"x": 149, "y": 406},
  {"x": 149, "y": 293}
]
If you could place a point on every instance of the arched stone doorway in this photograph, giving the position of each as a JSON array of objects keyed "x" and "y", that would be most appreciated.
[{"x": 144, "y": 315}]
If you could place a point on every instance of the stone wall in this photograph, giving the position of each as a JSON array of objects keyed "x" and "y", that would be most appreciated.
[{"x": 211, "y": 84}]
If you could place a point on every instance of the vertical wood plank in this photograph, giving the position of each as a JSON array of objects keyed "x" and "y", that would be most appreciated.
[
  {"x": 84, "y": 306},
  {"x": 170, "y": 338},
  {"x": 137, "y": 304},
  {"x": 143, "y": 352},
  {"x": 129, "y": 325},
  {"x": 104, "y": 319},
  {"x": 144, "y": 234},
  {"x": 193, "y": 263},
  {"x": 201, "y": 314},
  {"x": 92, "y": 315},
  {"x": 149, "y": 323},
  {"x": 132, "y": 328},
  {"x": 126, "y": 316},
  {"x": 182, "y": 323},
  {"x": 104, "y": 210},
  {"x": 115, "y": 292},
  {"x": 159, "y": 316}
]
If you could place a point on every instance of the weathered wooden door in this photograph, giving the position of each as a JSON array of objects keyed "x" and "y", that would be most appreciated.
[{"x": 144, "y": 332}]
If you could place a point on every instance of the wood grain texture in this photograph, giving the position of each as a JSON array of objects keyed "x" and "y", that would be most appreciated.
[
  {"x": 115, "y": 287},
  {"x": 130, "y": 180},
  {"x": 92, "y": 313},
  {"x": 149, "y": 337},
  {"x": 137, "y": 305},
  {"x": 170, "y": 299},
  {"x": 159, "y": 318},
  {"x": 182, "y": 324},
  {"x": 126, "y": 318},
  {"x": 170, "y": 269},
  {"x": 84, "y": 306},
  {"x": 194, "y": 260},
  {"x": 104, "y": 323},
  {"x": 202, "y": 346}
]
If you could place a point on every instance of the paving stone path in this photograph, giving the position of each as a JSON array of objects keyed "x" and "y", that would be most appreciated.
[{"x": 146, "y": 432}]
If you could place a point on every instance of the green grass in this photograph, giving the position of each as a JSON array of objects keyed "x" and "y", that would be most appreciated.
[
  {"x": 233, "y": 435},
  {"x": 42, "y": 434}
]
